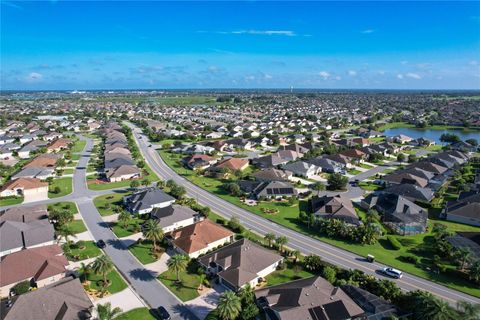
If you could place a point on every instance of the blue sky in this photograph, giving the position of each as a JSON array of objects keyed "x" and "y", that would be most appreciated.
[{"x": 125, "y": 45}]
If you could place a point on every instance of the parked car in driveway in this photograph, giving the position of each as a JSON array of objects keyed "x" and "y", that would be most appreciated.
[{"x": 391, "y": 272}]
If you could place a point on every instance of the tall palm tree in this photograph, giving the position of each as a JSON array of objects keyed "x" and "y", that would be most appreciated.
[
  {"x": 469, "y": 311},
  {"x": 124, "y": 218},
  {"x": 474, "y": 271},
  {"x": 105, "y": 311},
  {"x": 464, "y": 255},
  {"x": 229, "y": 306},
  {"x": 83, "y": 271},
  {"x": 64, "y": 233},
  {"x": 178, "y": 263},
  {"x": 281, "y": 241},
  {"x": 296, "y": 255},
  {"x": 269, "y": 237},
  {"x": 102, "y": 266},
  {"x": 153, "y": 232}
]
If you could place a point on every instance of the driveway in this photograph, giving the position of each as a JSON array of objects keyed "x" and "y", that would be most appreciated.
[
  {"x": 125, "y": 300},
  {"x": 204, "y": 304}
]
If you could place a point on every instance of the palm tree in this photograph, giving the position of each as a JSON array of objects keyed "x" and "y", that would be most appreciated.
[
  {"x": 229, "y": 306},
  {"x": 464, "y": 255},
  {"x": 83, "y": 271},
  {"x": 64, "y": 232},
  {"x": 124, "y": 218},
  {"x": 427, "y": 306},
  {"x": 178, "y": 263},
  {"x": 474, "y": 271},
  {"x": 281, "y": 241},
  {"x": 269, "y": 237},
  {"x": 469, "y": 311},
  {"x": 201, "y": 280},
  {"x": 153, "y": 232},
  {"x": 296, "y": 255},
  {"x": 105, "y": 311},
  {"x": 103, "y": 266}
]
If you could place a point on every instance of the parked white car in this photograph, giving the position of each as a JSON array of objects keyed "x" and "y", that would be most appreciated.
[{"x": 391, "y": 272}]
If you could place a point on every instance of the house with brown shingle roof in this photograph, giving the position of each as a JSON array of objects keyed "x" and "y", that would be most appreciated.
[
  {"x": 334, "y": 207},
  {"x": 26, "y": 187},
  {"x": 24, "y": 213},
  {"x": 241, "y": 263},
  {"x": 42, "y": 266},
  {"x": 199, "y": 238},
  {"x": 58, "y": 145},
  {"x": 44, "y": 160},
  {"x": 65, "y": 299},
  {"x": 233, "y": 164},
  {"x": 123, "y": 172}
]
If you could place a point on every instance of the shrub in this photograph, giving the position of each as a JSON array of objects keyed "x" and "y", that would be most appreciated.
[
  {"x": 410, "y": 259},
  {"x": 394, "y": 242},
  {"x": 21, "y": 287}
]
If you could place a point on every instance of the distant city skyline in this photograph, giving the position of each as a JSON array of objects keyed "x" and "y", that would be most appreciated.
[{"x": 58, "y": 45}]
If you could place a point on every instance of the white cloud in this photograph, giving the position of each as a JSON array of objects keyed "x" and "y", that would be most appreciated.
[
  {"x": 287, "y": 33},
  {"x": 324, "y": 74},
  {"x": 352, "y": 73},
  {"x": 404, "y": 62},
  {"x": 267, "y": 76},
  {"x": 400, "y": 76},
  {"x": 473, "y": 63},
  {"x": 368, "y": 31},
  {"x": 34, "y": 77},
  {"x": 338, "y": 78},
  {"x": 413, "y": 75}
]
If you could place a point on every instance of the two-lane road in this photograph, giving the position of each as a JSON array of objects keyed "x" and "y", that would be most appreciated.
[{"x": 301, "y": 242}]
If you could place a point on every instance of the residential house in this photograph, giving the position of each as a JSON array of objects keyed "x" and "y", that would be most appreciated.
[
  {"x": 271, "y": 174},
  {"x": 327, "y": 165},
  {"x": 334, "y": 207},
  {"x": 65, "y": 299},
  {"x": 374, "y": 307},
  {"x": 466, "y": 240},
  {"x": 199, "y": 238},
  {"x": 402, "y": 139},
  {"x": 302, "y": 169},
  {"x": 398, "y": 213},
  {"x": 269, "y": 190},
  {"x": 411, "y": 192},
  {"x": 58, "y": 145},
  {"x": 29, "y": 188},
  {"x": 41, "y": 266},
  {"x": 41, "y": 173},
  {"x": 310, "y": 298},
  {"x": 24, "y": 213},
  {"x": 240, "y": 263},
  {"x": 174, "y": 217},
  {"x": 199, "y": 161},
  {"x": 144, "y": 201},
  {"x": 464, "y": 210},
  {"x": 123, "y": 172},
  {"x": 24, "y": 152},
  {"x": 16, "y": 235}
]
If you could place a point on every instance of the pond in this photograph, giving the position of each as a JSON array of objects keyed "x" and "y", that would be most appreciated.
[{"x": 432, "y": 134}]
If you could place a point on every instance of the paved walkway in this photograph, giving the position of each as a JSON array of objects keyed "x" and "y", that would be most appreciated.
[
  {"x": 205, "y": 303},
  {"x": 160, "y": 266},
  {"x": 125, "y": 300},
  {"x": 131, "y": 239}
]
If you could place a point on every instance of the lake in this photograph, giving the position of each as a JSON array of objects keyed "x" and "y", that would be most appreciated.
[{"x": 432, "y": 134}]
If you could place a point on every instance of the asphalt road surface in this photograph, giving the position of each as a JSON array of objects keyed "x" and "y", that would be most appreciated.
[{"x": 298, "y": 241}]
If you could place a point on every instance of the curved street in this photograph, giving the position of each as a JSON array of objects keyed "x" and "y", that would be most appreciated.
[{"x": 298, "y": 241}]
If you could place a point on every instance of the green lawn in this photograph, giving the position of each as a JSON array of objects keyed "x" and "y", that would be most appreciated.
[
  {"x": 143, "y": 251},
  {"x": 290, "y": 273},
  {"x": 10, "y": 201},
  {"x": 88, "y": 250},
  {"x": 117, "y": 284},
  {"x": 136, "y": 314},
  {"x": 150, "y": 176},
  {"x": 78, "y": 146},
  {"x": 64, "y": 205},
  {"x": 354, "y": 171},
  {"x": 68, "y": 171},
  {"x": 75, "y": 157},
  {"x": 187, "y": 288},
  {"x": 365, "y": 166},
  {"x": 369, "y": 186},
  {"x": 288, "y": 217},
  {"x": 108, "y": 203},
  {"x": 65, "y": 185},
  {"x": 77, "y": 226},
  {"x": 132, "y": 228},
  {"x": 393, "y": 125}
]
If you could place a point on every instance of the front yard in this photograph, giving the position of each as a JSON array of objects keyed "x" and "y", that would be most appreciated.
[
  {"x": 143, "y": 251},
  {"x": 60, "y": 187},
  {"x": 10, "y": 201},
  {"x": 186, "y": 289},
  {"x": 81, "y": 250},
  {"x": 136, "y": 314},
  {"x": 133, "y": 226},
  {"x": 77, "y": 226},
  {"x": 109, "y": 204},
  {"x": 147, "y": 174},
  {"x": 116, "y": 283}
]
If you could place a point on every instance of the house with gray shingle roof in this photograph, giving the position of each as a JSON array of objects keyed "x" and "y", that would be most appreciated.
[
  {"x": 144, "y": 201},
  {"x": 174, "y": 217}
]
